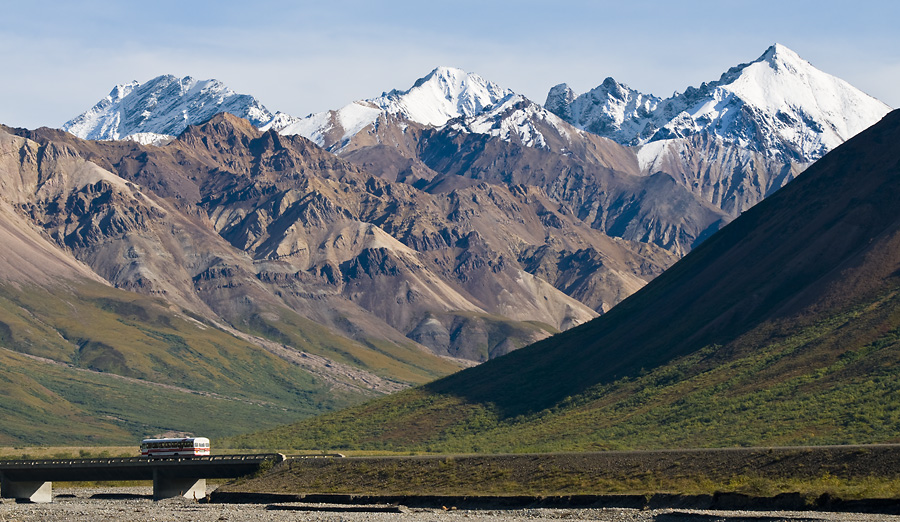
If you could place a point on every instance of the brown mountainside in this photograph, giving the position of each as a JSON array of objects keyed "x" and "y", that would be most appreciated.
[
  {"x": 780, "y": 329},
  {"x": 262, "y": 231},
  {"x": 593, "y": 179},
  {"x": 86, "y": 362},
  {"x": 729, "y": 176}
]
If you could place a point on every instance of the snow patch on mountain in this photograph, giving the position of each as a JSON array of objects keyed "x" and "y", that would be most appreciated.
[
  {"x": 150, "y": 138},
  {"x": 324, "y": 127},
  {"x": 516, "y": 119},
  {"x": 650, "y": 155},
  {"x": 165, "y": 105}
]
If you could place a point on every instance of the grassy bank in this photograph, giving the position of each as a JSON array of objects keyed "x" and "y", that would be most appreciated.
[
  {"x": 840, "y": 472},
  {"x": 67, "y": 452}
]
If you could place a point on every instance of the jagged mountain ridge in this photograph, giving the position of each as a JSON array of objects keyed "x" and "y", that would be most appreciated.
[
  {"x": 727, "y": 167},
  {"x": 735, "y": 140},
  {"x": 779, "y": 97},
  {"x": 317, "y": 229},
  {"x": 519, "y": 142},
  {"x": 162, "y": 108},
  {"x": 444, "y": 94},
  {"x": 779, "y": 105},
  {"x": 711, "y": 140}
]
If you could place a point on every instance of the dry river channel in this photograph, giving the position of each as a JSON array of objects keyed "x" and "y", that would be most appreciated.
[{"x": 135, "y": 504}]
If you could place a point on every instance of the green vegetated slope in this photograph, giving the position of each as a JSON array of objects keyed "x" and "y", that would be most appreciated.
[
  {"x": 404, "y": 362},
  {"x": 86, "y": 362},
  {"x": 784, "y": 328},
  {"x": 71, "y": 231}
]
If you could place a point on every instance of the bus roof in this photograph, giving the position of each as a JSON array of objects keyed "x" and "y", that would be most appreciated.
[{"x": 177, "y": 439}]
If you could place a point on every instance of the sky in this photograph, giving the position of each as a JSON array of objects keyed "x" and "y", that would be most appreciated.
[{"x": 299, "y": 57}]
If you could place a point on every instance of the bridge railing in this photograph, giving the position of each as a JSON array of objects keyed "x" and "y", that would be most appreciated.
[{"x": 139, "y": 460}]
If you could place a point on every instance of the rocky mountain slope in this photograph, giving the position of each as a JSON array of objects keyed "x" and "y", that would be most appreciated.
[
  {"x": 734, "y": 140},
  {"x": 86, "y": 362},
  {"x": 781, "y": 329},
  {"x": 270, "y": 231},
  {"x": 505, "y": 139}
]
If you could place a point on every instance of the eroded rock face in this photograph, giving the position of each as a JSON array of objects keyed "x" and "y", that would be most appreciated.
[{"x": 235, "y": 223}]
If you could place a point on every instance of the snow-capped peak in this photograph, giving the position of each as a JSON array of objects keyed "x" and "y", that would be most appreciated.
[
  {"x": 804, "y": 112},
  {"x": 165, "y": 105},
  {"x": 122, "y": 90},
  {"x": 514, "y": 119},
  {"x": 446, "y": 93},
  {"x": 780, "y": 53},
  {"x": 778, "y": 104},
  {"x": 612, "y": 110},
  {"x": 559, "y": 100}
]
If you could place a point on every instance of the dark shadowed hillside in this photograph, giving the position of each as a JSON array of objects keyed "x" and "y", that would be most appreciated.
[{"x": 783, "y": 328}]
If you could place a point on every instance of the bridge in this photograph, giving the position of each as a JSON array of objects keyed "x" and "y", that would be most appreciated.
[{"x": 32, "y": 480}]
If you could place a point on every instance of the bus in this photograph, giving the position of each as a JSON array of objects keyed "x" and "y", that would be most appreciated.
[{"x": 184, "y": 447}]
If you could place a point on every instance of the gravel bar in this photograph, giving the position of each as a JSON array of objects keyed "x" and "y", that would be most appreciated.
[{"x": 135, "y": 504}]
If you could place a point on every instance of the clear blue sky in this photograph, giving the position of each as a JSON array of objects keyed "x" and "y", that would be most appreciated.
[{"x": 299, "y": 57}]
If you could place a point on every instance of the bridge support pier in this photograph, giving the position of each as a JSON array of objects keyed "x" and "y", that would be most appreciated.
[
  {"x": 38, "y": 492},
  {"x": 168, "y": 487}
]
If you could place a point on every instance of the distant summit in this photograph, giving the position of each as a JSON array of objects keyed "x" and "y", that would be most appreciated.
[
  {"x": 612, "y": 110},
  {"x": 733, "y": 141},
  {"x": 444, "y": 94},
  {"x": 779, "y": 105},
  {"x": 162, "y": 107}
]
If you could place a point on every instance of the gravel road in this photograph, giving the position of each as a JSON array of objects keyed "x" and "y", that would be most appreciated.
[{"x": 134, "y": 504}]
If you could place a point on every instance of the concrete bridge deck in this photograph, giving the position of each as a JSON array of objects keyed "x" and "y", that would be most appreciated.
[{"x": 31, "y": 480}]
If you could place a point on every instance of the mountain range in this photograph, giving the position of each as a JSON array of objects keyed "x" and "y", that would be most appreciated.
[
  {"x": 376, "y": 246},
  {"x": 781, "y": 329},
  {"x": 727, "y": 144},
  {"x": 735, "y": 140},
  {"x": 262, "y": 261}
]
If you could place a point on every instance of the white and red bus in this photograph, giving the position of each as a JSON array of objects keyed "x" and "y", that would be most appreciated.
[{"x": 186, "y": 447}]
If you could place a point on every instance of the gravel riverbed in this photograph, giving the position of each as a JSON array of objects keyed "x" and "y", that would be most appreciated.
[{"x": 135, "y": 504}]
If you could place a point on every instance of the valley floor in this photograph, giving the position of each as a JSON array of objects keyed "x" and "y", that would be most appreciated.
[
  {"x": 134, "y": 504},
  {"x": 823, "y": 477}
]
